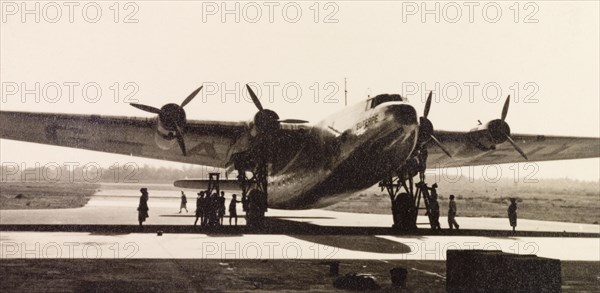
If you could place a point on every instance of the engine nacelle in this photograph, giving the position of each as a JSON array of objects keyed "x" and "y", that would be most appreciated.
[
  {"x": 164, "y": 139},
  {"x": 266, "y": 121},
  {"x": 171, "y": 122},
  {"x": 164, "y": 143},
  {"x": 170, "y": 117},
  {"x": 487, "y": 136}
]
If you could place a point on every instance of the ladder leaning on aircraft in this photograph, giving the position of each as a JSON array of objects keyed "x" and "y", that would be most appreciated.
[
  {"x": 406, "y": 195},
  {"x": 265, "y": 124},
  {"x": 172, "y": 120}
]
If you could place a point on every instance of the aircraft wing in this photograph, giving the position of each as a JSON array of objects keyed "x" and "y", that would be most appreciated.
[
  {"x": 209, "y": 142},
  {"x": 537, "y": 148}
]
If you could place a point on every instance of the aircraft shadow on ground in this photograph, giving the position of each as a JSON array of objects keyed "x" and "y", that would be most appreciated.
[
  {"x": 332, "y": 237},
  {"x": 301, "y": 217},
  {"x": 286, "y": 226},
  {"x": 363, "y": 243},
  {"x": 277, "y": 217}
]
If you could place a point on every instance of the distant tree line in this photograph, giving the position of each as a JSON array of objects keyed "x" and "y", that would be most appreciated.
[
  {"x": 125, "y": 173},
  {"x": 131, "y": 173}
]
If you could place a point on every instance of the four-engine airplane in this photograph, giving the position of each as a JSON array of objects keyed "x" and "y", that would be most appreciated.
[{"x": 303, "y": 165}]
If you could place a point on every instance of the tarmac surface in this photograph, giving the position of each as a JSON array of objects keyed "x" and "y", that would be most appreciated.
[{"x": 107, "y": 228}]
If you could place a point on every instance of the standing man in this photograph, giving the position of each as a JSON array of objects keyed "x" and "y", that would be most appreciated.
[
  {"x": 452, "y": 213},
  {"x": 244, "y": 203},
  {"x": 204, "y": 207},
  {"x": 221, "y": 208},
  {"x": 214, "y": 210},
  {"x": 232, "y": 209},
  {"x": 143, "y": 206},
  {"x": 183, "y": 202},
  {"x": 435, "y": 208},
  {"x": 199, "y": 208},
  {"x": 422, "y": 163},
  {"x": 512, "y": 213}
]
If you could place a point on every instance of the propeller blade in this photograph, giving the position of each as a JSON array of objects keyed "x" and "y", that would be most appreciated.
[
  {"x": 440, "y": 145},
  {"x": 514, "y": 144},
  {"x": 254, "y": 98},
  {"x": 297, "y": 121},
  {"x": 427, "y": 105},
  {"x": 181, "y": 141},
  {"x": 505, "y": 109},
  {"x": 146, "y": 108},
  {"x": 191, "y": 97}
]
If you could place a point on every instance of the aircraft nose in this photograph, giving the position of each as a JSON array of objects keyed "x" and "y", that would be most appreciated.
[{"x": 405, "y": 115}]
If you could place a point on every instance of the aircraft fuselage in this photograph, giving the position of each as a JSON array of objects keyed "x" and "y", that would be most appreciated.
[{"x": 349, "y": 151}]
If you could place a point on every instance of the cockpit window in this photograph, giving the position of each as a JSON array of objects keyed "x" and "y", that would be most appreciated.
[{"x": 380, "y": 99}]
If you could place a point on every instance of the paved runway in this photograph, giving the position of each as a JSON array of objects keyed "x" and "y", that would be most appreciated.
[{"x": 370, "y": 237}]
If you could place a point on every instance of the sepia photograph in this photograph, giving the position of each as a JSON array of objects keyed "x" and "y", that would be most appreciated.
[{"x": 292, "y": 146}]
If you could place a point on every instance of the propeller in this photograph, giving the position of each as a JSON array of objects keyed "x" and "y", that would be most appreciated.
[
  {"x": 505, "y": 108},
  {"x": 505, "y": 130},
  {"x": 514, "y": 144},
  {"x": 191, "y": 97},
  {"x": 426, "y": 128},
  {"x": 172, "y": 117},
  {"x": 267, "y": 120},
  {"x": 254, "y": 98},
  {"x": 146, "y": 108},
  {"x": 296, "y": 121},
  {"x": 180, "y": 140}
]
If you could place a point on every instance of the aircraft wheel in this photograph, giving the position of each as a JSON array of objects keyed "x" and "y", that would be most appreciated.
[{"x": 256, "y": 207}]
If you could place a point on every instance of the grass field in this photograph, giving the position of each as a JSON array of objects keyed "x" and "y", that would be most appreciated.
[
  {"x": 550, "y": 200},
  {"x": 44, "y": 195},
  {"x": 561, "y": 200}
]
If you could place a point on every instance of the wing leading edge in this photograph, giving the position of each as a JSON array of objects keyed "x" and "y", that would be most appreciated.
[
  {"x": 467, "y": 152},
  {"x": 210, "y": 142}
]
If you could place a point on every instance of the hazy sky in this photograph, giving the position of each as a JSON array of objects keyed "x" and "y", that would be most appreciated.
[{"x": 544, "y": 54}]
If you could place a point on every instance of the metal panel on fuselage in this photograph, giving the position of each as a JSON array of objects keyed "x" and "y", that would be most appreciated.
[{"x": 351, "y": 150}]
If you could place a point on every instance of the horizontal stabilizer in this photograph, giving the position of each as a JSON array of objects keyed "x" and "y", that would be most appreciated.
[{"x": 231, "y": 185}]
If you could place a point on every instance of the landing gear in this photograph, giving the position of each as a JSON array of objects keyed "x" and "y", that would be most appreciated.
[
  {"x": 405, "y": 202},
  {"x": 254, "y": 190},
  {"x": 406, "y": 196}
]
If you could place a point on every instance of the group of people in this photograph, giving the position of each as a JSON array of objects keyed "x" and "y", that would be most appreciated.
[
  {"x": 433, "y": 207},
  {"x": 210, "y": 208},
  {"x": 512, "y": 213},
  {"x": 433, "y": 210}
]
